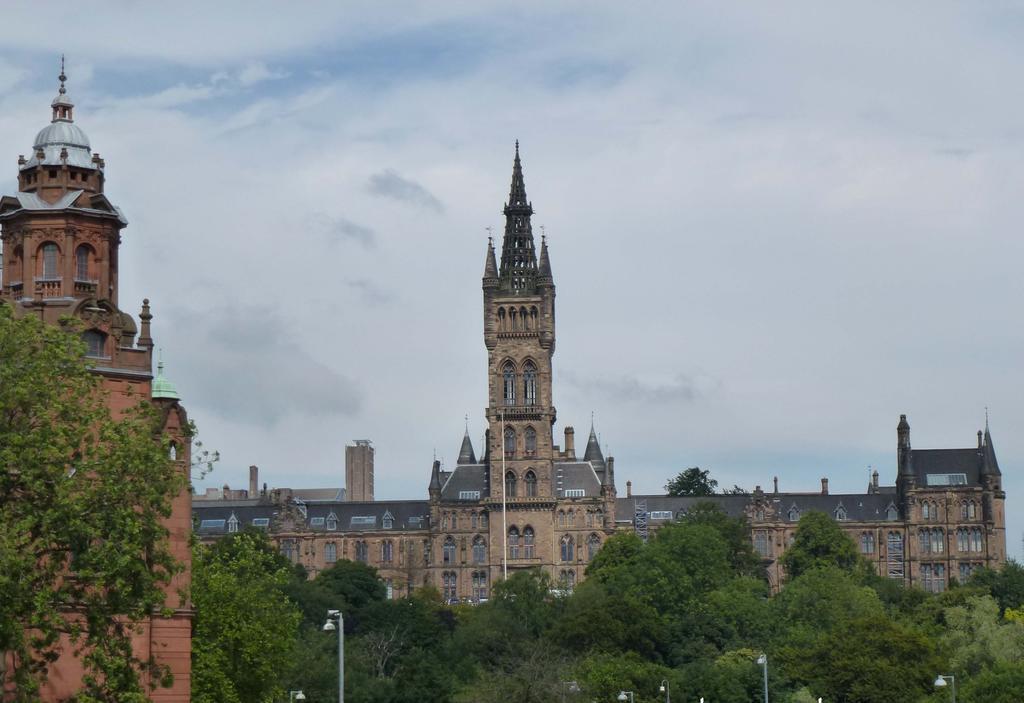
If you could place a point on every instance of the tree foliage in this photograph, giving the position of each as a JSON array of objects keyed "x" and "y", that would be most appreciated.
[
  {"x": 83, "y": 550},
  {"x": 692, "y": 482},
  {"x": 819, "y": 543}
]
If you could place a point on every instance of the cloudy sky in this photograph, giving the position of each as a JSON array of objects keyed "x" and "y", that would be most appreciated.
[{"x": 773, "y": 228}]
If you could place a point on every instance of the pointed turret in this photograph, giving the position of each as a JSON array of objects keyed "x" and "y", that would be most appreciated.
[
  {"x": 989, "y": 466},
  {"x": 466, "y": 453},
  {"x": 903, "y": 455},
  {"x": 593, "y": 453},
  {"x": 544, "y": 268},
  {"x": 490, "y": 264},
  {"x": 518, "y": 256},
  {"x": 162, "y": 388}
]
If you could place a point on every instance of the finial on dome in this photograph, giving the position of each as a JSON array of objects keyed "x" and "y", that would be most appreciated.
[{"x": 62, "y": 78}]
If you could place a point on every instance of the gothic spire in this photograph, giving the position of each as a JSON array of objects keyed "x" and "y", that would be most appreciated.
[
  {"x": 593, "y": 452},
  {"x": 518, "y": 255},
  {"x": 544, "y": 268},
  {"x": 490, "y": 266}
]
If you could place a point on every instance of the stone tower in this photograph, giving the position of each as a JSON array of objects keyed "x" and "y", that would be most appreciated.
[
  {"x": 60, "y": 235},
  {"x": 359, "y": 471},
  {"x": 519, "y": 333}
]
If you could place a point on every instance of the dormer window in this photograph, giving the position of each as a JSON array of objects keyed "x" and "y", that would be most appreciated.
[
  {"x": 891, "y": 513},
  {"x": 232, "y": 523},
  {"x": 332, "y": 522},
  {"x": 793, "y": 514},
  {"x": 388, "y": 521},
  {"x": 840, "y": 513}
]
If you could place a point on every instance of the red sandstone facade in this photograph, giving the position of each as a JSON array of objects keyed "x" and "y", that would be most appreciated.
[{"x": 60, "y": 236}]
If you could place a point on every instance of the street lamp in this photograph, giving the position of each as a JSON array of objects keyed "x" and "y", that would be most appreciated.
[
  {"x": 296, "y": 696},
  {"x": 329, "y": 626},
  {"x": 664, "y": 689},
  {"x": 763, "y": 661},
  {"x": 940, "y": 682},
  {"x": 626, "y": 696}
]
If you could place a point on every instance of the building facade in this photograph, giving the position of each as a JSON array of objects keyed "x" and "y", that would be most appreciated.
[
  {"x": 530, "y": 503},
  {"x": 61, "y": 235}
]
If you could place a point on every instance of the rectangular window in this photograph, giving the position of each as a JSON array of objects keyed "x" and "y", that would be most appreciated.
[
  {"x": 469, "y": 495},
  {"x": 363, "y": 521},
  {"x": 212, "y": 525},
  {"x": 415, "y": 521},
  {"x": 330, "y": 552},
  {"x": 661, "y": 515},
  {"x": 261, "y": 522},
  {"x": 574, "y": 493},
  {"x": 946, "y": 479},
  {"x": 316, "y": 522}
]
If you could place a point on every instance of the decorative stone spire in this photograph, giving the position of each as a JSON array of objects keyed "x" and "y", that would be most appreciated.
[
  {"x": 490, "y": 265},
  {"x": 518, "y": 255},
  {"x": 544, "y": 268},
  {"x": 989, "y": 467},
  {"x": 466, "y": 453},
  {"x": 435, "y": 480},
  {"x": 145, "y": 317}
]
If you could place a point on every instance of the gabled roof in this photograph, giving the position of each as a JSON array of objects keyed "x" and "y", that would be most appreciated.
[
  {"x": 467, "y": 477},
  {"x": 576, "y": 476}
]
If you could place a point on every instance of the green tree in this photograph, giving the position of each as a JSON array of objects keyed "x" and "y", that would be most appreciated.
[
  {"x": 1006, "y": 585},
  {"x": 819, "y": 542},
  {"x": 977, "y": 638},
  {"x": 735, "y": 531},
  {"x": 1003, "y": 683},
  {"x": 692, "y": 482},
  {"x": 83, "y": 549},
  {"x": 245, "y": 626}
]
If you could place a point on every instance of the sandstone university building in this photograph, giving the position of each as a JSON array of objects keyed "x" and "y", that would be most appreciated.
[{"x": 525, "y": 502}]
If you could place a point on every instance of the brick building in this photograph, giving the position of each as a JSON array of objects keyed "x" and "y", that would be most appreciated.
[
  {"x": 544, "y": 506},
  {"x": 61, "y": 234}
]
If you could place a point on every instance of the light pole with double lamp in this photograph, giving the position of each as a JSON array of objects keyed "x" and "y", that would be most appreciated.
[
  {"x": 329, "y": 626},
  {"x": 940, "y": 682}
]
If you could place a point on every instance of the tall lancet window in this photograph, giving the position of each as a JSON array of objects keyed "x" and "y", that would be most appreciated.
[
  {"x": 510, "y": 484},
  {"x": 82, "y": 263},
  {"x": 510, "y": 441},
  {"x": 49, "y": 261},
  {"x": 530, "y": 383},
  {"x": 509, "y": 386}
]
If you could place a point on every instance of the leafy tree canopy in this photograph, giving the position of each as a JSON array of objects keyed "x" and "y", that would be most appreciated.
[
  {"x": 819, "y": 542},
  {"x": 82, "y": 499},
  {"x": 692, "y": 482}
]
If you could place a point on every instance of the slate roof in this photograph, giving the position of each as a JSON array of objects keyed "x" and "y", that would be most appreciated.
[
  {"x": 466, "y": 477},
  {"x": 99, "y": 203},
  {"x": 971, "y": 462},
  {"x": 407, "y": 515},
  {"x": 577, "y": 475}
]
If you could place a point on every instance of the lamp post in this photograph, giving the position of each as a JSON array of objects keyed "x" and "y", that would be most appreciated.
[
  {"x": 296, "y": 696},
  {"x": 329, "y": 626},
  {"x": 664, "y": 688},
  {"x": 940, "y": 682},
  {"x": 763, "y": 661},
  {"x": 626, "y": 696}
]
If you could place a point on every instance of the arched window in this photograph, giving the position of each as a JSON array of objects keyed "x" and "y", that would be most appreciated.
[
  {"x": 501, "y": 319},
  {"x": 976, "y": 545},
  {"x": 938, "y": 541},
  {"x": 483, "y": 521},
  {"x": 963, "y": 510},
  {"x": 972, "y": 510},
  {"x": 593, "y": 544},
  {"x": 561, "y": 518},
  {"x": 867, "y": 543},
  {"x": 473, "y": 521},
  {"x": 95, "y": 343},
  {"x": 962, "y": 544},
  {"x": 531, "y": 484},
  {"x": 455, "y": 521},
  {"x": 510, "y": 441},
  {"x": 387, "y": 551},
  {"x": 528, "y": 542},
  {"x": 530, "y": 441},
  {"x": 508, "y": 375},
  {"x": 172, "y": 454},
  {"x": 570, "y": 518},
  {"x": 479, "y": 550},
  {"x": 50, "y": 271},
  {"x": 330, "y": 552},
  {"x": 840, "y": 513},
  {"x": 448, "y": 551},
  {"x": 290, "y": 550},
  {"x": 479, "y": 585},
  {"x": 530, "y": 383},
  {"x": 794, "y": 514},
  {"x": 82, "y": 263},
  {"x": 513, "y": 323},
  {"x": 533, "y": 318},
  {"x": 761, "y": 543},
  {"x": 513, "y": 542},
  {"x": 510, "y": 485},
  {"x": 522, "y": 319},
  {"x": 924, "y": 538},
  {"x": 567, "y": 545},
  {"x": 362, "y": 551}
]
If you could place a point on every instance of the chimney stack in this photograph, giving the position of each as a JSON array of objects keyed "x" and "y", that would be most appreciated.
[
  {"x": 570, "y": 442},
  {"x": 254, "y": 480},
  {"x": 824, "y": 486},
  {"x": 775, "y": 480},
  {"x": 629, "y": 489}
]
